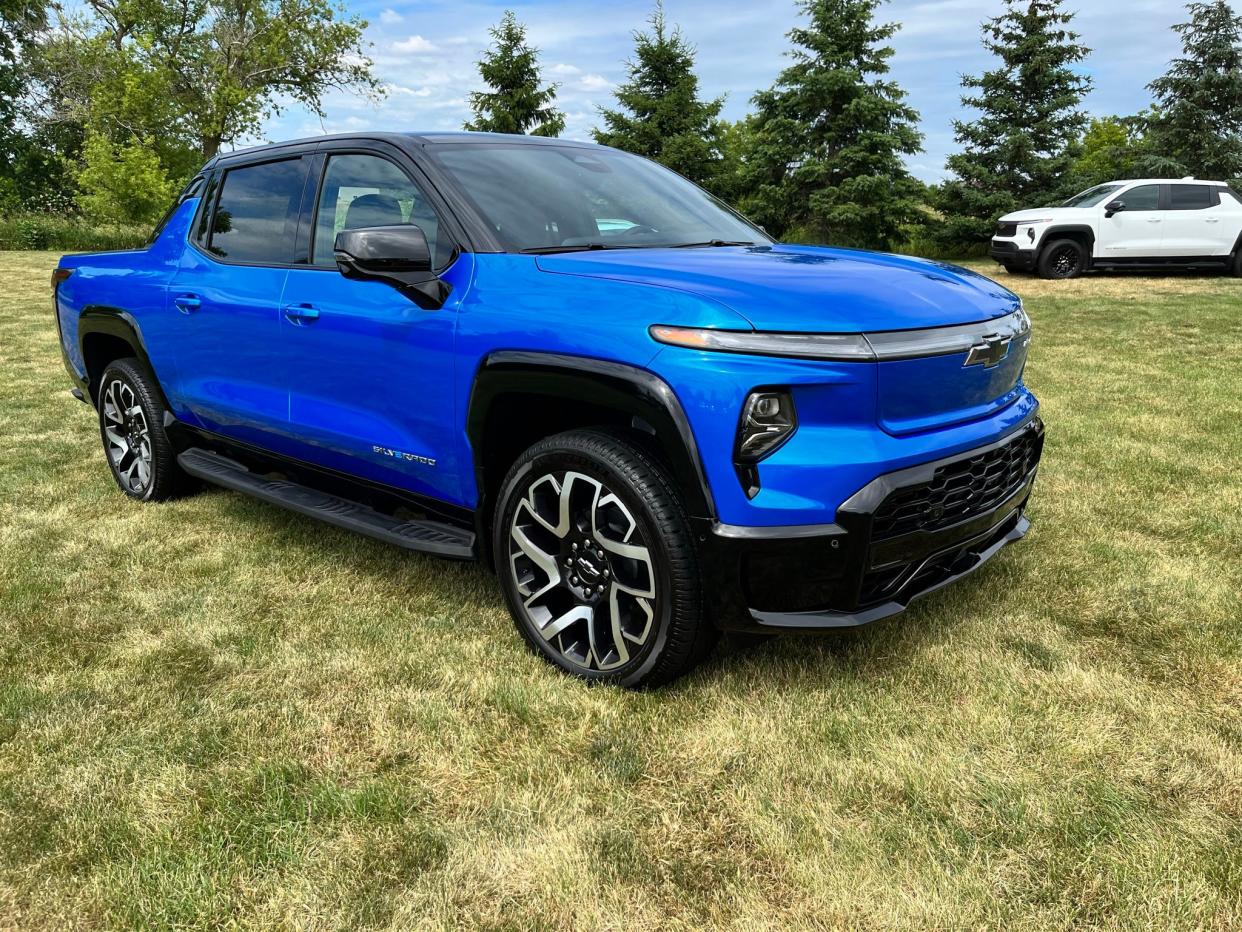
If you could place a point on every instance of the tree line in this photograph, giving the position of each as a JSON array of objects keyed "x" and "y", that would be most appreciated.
[{"x": 110, "y": 109}]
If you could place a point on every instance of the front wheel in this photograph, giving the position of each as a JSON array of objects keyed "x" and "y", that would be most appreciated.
[
  {"x": 597, "y": 561},
  {"x": 1064, "y": 258}
]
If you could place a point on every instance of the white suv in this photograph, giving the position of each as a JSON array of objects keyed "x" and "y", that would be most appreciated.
[{"x": 1150, "y": 223}]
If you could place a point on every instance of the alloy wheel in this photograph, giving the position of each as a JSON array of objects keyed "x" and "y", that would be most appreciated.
[
  {"x": 583, "y": 571},
  {"x": 128, "y": 437},
  {"x": 1065, "y": 261}
]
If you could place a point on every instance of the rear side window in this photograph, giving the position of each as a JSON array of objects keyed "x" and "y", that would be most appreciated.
[
  {"x": 1190, "y": 197},
  {"x": 256, "y": 217}
]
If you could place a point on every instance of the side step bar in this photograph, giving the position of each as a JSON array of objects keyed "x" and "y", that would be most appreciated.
[{"x": 434, "y": 537}]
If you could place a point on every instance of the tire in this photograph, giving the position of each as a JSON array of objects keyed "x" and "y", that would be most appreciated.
[
  {"x": 1062, "y": 258},
  {"x": 131, "y": 428},
  {"x": 619, "y": 560},
  {"x": 1236, "y": 268}
]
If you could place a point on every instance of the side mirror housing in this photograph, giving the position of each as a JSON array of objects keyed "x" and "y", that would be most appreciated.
[
  {"x": 397, "y": 255},
  {"x": 1113, "y": 207}
]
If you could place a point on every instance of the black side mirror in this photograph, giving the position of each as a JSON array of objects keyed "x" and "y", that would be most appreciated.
[
  {"x": 397, "y": 255},
  {"x": 1113, "y": 207}
]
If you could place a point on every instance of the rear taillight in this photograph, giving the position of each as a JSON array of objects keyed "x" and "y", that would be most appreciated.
[{"x": 59, "y": 275}]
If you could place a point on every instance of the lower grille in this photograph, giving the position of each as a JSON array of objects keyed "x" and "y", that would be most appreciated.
[{"x": 958, "y": 490}]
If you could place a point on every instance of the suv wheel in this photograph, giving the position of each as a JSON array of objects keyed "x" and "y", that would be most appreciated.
[
  {"x": 131, "y": 426},
  {"x": 1064, "y": 258},
  {"x": 597, "y": 561},
  {"x": 1237, "y": 263}
]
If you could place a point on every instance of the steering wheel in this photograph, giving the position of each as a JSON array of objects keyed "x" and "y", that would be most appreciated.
[{"x": 639, "y": 230}]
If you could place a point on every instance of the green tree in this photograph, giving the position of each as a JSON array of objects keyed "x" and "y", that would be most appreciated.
[
  {"x": 824, "y": 162},
  {"x": 515, "y": 102},
  {"x": 21, "y": 21},
  {"x": 660, "y": 114},
  {"x": 1113, "y": 147},
  {"x": 1019, "y": 151},
  {"x": 183, "y": 78},
  {"x": 1197, "y": 126}
]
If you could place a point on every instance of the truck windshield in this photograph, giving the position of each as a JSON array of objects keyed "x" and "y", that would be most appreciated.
[
  {"x": 545, "y": 198},
  {"x": 1092, "y": 196}
]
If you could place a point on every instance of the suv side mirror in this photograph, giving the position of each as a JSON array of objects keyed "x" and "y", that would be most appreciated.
[
  {"x": 1113, "y": 207},
  {"x": 397, "y": 255}
]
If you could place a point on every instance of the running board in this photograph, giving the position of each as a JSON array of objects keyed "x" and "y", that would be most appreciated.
[{"x": 435, "y": 537}]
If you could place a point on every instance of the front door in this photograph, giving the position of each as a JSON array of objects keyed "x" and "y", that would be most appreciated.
[
  {"x": 224, "y": 302},
  {"x": 1138, "y": 230},
  {"x": 370, "y": 372}
]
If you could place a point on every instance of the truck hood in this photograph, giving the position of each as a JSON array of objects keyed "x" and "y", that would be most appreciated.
[
  {"x": 805, "y": 288},
  {"x": 1055, "y": 214}
]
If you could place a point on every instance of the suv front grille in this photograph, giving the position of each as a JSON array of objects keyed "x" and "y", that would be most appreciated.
[
  {"x": 1006, "y": 229},
  {"x": 958, "y": 490}
]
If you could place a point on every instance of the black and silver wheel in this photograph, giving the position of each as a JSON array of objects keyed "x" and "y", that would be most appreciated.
[
  {"x": 131, "y": 425},
  {"x": 1064, "y": 258},
  {"x": 597, "y": 562}
]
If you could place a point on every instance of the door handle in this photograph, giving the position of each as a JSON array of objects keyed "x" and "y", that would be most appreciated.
[
  {"x": 300, "y": 313},
  {"x": 186, "y": 303},
  {"x": 1153, "y": 219},
  {"x": 1213, "y": 219}
]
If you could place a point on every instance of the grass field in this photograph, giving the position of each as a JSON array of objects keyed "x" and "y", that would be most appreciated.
[{"x": 215, "y": 713}]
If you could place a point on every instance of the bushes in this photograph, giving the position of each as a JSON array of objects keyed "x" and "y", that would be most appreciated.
[{"x": 67, "y": 233}]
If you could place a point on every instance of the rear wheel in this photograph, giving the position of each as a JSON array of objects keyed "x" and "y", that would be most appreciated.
[
  {"x": 131, "y": 426},
  {"x": 1237, "y": 263},
  {"x": 597, "y": 562},
  {"x": 1063, "y": 258}
]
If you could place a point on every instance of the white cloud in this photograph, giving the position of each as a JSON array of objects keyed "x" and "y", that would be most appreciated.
[
  {"x": 415, "y": 45},
  {"x": 595, "y": 82},
  {"x": 565, "y": 69},
  {"x": 389, "y": 17}
]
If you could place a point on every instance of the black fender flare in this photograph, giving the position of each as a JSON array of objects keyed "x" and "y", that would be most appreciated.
[
  {"x": 631, "y": 390},
  {"x": 1057, "y": 229},
  {"x": 97, "y": 320}
]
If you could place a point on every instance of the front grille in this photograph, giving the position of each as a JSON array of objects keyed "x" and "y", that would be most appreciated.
[
  {"x": 958, "y": 490},
  {"x": 1002, "y": 246},
  {"x": 1006, "y": 229}
]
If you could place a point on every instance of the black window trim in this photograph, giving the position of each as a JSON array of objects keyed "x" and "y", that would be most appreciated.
[
  {"x": 1166, "y": 196},
  {"x": 408, "y": 166},
  {"x": 219, "y": 171}
]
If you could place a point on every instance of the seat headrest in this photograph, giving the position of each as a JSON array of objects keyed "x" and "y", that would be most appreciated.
[{"x": 373, "y": 210}]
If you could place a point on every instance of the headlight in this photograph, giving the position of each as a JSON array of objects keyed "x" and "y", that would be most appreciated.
[
  {"x": 841, "y": 346},
  {"x": 768, "y": 420}
]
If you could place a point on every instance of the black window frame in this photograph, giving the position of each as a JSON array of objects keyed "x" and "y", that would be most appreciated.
[
  {"x": 1166, "y": 200},
  {"x": 446, "y": 223},
  {"x": 201, "y": 239}
]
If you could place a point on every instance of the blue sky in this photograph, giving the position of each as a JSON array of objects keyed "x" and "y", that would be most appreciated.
[{"x": 425, "y": 52}]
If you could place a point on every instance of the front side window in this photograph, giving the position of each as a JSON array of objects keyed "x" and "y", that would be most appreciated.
[
  {"x": 368, "y": 191},
  {"x": 256, "y": 218},
  {"x": 1092, "y": 196},
  {"x": 1190, "y": 197},
  {"x": 1144, "y": 197},
  {"x": 544, "y": 198}
]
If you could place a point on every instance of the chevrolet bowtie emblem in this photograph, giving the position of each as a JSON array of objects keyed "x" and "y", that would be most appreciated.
[{"x": 988, "y": 352}]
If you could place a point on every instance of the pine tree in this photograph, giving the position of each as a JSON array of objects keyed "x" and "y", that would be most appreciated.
[
  {"x": 660, "y": 114},
  {"x": 1019, "y": 151},
  {"x": 516, "y": 103},
  {"x": 1197, "y": 128},
  {"x": 824, "y": 162}
]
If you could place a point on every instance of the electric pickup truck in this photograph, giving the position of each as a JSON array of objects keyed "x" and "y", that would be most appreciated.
[
  {"x": 1145, "y": 224},
  {"x": 653, "y": 421}
]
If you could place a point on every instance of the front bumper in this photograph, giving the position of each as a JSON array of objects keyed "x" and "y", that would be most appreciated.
[
  {"x": 903, "y": 535},
  {"x": 1009, "y": 253}
]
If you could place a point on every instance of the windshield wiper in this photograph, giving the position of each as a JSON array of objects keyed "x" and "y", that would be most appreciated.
[
  {"x": 580, "y": 247},
  {"x": 716, "y": 242}
]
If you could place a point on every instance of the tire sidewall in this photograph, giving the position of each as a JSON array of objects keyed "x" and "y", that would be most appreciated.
[
  {"x": 127, "y": 372},
  {"x": 533, "y": 467}
]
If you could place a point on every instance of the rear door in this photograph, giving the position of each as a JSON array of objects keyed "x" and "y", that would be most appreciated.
[
  {"x": 224, "y": 300},
  {"x": 1196, "y": 221},
  {"x": 1138, "y": 230},
  {"x": 369, "y": 371}
]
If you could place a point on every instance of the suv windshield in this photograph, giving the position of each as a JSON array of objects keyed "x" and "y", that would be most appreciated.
[
  {"x": 541, "y": 198},
  {"x": 1092, "y": 196}
]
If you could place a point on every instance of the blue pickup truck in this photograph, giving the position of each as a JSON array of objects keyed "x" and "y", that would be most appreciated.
[{"x": 573, "y": 365}]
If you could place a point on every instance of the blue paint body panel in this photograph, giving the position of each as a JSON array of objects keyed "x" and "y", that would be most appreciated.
[{"x": 374, "y": 377}]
